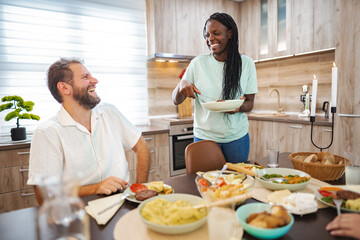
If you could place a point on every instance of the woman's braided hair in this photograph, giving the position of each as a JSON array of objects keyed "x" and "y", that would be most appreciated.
[{"x": 233, "y": 64}]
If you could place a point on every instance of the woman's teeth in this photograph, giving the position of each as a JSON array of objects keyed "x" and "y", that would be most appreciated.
[{"x": 92, "y": 90}]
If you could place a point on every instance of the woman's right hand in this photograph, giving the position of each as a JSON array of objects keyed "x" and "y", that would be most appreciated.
[{"x": 187, "y": 89}]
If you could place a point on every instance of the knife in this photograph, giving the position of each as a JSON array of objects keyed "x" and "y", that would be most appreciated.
[{"x": 125, "y": 195}]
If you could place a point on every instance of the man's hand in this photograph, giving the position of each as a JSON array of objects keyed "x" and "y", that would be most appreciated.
[
  {"x": 346, "y": 224},
  {"x": 110, "y": 185}
]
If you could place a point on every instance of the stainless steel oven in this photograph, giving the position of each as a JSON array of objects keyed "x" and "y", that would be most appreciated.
[{"x": 180, "y": 136}]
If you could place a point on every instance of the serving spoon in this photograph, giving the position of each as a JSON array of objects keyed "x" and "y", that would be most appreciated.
[
  {"x": 338, "y": 203},
  {"x": 224, "y": 202},
  {"x": 219, "y": 174}
]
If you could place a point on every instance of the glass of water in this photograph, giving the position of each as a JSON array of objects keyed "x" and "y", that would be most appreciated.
[
  {"x": 272, "y": 151},
  {"x": 352, "y": 174}
]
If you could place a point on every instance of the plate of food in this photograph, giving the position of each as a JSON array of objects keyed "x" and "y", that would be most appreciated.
[
  {"x": 142, "y": 191},
  {"x": 246, "y": 168},
  {"x": 223, "y": 105},
  {"x": 282, "y": 178},
  {"x": 228, "y": 185},
  {"x": 350, "y": 199},
  {"x": 297, "y": 203}
]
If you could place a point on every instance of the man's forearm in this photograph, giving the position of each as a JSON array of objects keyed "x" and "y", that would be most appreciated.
[
  {"x": 143, "y": 165},
  {"x": 88, "y": 190},
  {"x": 177, "y": 97}
]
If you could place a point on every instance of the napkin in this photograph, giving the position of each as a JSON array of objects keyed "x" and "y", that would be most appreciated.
[{"x": 97, "y": 205}]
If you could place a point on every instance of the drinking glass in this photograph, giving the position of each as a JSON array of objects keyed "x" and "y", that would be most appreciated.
[
  {"x": 220, "y": 223},
  {"x": 272, "y": 150},
  {"x": 352, "y": 174}
]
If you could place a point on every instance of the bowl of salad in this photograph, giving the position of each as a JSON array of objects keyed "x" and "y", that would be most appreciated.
[{"x": 282, "y": 178}]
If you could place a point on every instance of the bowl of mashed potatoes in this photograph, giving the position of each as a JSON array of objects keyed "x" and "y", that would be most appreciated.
[{"x": 173, "y": 214}]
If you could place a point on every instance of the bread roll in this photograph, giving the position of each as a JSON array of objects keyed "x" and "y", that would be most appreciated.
[
  {"x": 311, "y": 158},
  {"x": 326, "y": 157},
  {"x": 280, "y": 211}
]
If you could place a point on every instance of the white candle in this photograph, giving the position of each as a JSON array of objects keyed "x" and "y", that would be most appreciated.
[
  {"x": 313, "y": 97},
  {"x": 334, "y": 85}
]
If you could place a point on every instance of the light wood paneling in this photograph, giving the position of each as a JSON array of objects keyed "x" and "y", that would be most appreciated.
[
  {"x": 302, "y": 25},
  {"x": 347, "y": 58},
  {"x": 324, "y": 24}
]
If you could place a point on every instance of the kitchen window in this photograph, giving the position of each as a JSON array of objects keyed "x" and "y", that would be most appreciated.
[
  {"x": 281, "y": 25},
  {"x": 109, "y": 35},
  {"x": 264, "y": 46}
]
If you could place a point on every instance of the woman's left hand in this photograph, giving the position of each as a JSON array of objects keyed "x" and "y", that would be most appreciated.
[{"x": 237, "y": 109}]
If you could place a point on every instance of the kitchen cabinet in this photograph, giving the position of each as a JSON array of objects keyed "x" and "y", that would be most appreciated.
[
  {"x": 176, "y": 26},
  {"x": 159, "y": 157},
  {"x": 309, "y": 27},
  {"x": 14, "y": 192},
  {"x": 292, "y": 137}
]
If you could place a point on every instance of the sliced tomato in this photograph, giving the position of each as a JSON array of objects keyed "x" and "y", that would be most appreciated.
[
  {"x": 137, "y": 187},
  {"x": 220, "y": 182},
  {"x": 203, "y": 183},
  {"x": 327, "y": 193}
]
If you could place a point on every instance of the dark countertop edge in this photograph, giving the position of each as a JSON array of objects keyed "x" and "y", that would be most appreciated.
[{"x": 320, "y": 121}]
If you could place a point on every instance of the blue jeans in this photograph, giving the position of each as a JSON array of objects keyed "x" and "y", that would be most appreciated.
[{"x": 235, "y": 151}]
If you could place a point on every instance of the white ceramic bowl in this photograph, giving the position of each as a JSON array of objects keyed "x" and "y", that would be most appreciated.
[
  {"x": 283, "y": 172},
  {"x": 243, "y": 213},
  {"x": 227, "y": 105},
  {"x": 176, "y": 229}
]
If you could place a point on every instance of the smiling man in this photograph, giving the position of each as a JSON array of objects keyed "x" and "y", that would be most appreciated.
[{"x": 85, "y": 137}]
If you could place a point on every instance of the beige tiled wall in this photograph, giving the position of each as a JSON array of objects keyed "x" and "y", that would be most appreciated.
[{"x": 287, "y": 75}]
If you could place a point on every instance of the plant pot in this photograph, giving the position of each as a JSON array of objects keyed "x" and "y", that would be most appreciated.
[{"x": 18, "y": 133}]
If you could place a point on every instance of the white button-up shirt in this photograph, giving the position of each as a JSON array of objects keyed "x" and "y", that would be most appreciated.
[{"x": 62, "y": 143}]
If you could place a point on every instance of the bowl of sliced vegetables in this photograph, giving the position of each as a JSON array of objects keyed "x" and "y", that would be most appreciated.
[
  {"x": 282, "y": 178},
  {"x": 228, "y": 185}
]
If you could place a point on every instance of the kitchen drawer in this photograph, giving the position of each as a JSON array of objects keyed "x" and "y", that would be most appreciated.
[
  {"x": 17, "y": 200},
  {"x": 15, "y": 157},
  {"x": 14, "y": 178},
  {"x": 150, "y": 140}
]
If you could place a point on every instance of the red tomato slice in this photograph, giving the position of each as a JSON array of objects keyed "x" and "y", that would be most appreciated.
[
  {"x": 327, "y": 193},
  {"x": 137, "y": 187},
  {"x": 220, "y": 182},
  {"x": 203, "y": 183}
]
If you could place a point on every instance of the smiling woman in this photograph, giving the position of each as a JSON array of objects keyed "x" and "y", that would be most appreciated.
[{"x": 109, "y": 35}]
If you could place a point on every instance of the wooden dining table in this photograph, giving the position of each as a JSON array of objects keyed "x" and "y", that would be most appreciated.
[{"x": 20, "y": 224}]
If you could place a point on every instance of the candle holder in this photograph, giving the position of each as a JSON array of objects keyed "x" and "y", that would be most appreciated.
[{"x": 312, "y": 120}]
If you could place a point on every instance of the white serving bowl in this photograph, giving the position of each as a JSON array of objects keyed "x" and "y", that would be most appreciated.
[
  {"x": 174, "y": 229},
  {"x": 227, "y": 105},
  {"x": 283, "y": 172}
]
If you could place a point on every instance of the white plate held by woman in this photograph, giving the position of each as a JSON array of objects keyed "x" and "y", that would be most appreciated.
[{"x": 223, "y": 106}]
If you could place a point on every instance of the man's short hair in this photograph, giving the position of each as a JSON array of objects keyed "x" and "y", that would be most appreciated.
[{"x": 59, "y": 71}]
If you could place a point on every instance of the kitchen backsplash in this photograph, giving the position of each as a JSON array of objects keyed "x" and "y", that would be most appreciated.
[{"x": 287, "y": 75}]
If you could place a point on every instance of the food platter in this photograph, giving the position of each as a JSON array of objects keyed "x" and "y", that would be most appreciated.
[
  {"x": 319, "y": 197},
  {"x": 132, "y": 198},
  {"x": 223, "y": 106}
]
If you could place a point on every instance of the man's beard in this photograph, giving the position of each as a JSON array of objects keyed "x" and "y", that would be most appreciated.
[{"x": 82, "y": 96}]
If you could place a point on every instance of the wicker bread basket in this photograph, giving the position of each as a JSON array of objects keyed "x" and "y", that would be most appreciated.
[{"x": 317, "y": 170}]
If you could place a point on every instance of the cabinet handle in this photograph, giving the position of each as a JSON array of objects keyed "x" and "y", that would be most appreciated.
[
  {"x": 148, "y": 138},
  {"x": 23, "y": 153},
  {"x": 327, "y": 130},
  {"x": 152, "y": 151},
  {"x": 152, "y": 170},
  {"x": 27, "y": 194},
  {"x": 23, "y": 170},
  {"x": 294, "y": 126},
  {"x": 349, "y": 115}
]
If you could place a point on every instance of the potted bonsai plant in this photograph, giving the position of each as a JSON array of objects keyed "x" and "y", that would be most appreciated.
[{"x": 18, "y": 105}]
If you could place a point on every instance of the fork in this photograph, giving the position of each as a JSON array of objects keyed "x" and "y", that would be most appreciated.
[{"x": 338, "y": 203}]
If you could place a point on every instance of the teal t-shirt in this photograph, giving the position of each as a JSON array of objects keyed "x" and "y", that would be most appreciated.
[{"x": 206, "y": 73}]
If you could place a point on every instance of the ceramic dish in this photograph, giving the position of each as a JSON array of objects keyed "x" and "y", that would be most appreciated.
[
  {"x": 225, "y": 106},
  {"x": 131, "y": 198},
  {"x": 174, "y": 229},
  {"x": 243, "y": 213},
  {"x": 283, "y": 172},
  {"x": 319, "y": 196}
]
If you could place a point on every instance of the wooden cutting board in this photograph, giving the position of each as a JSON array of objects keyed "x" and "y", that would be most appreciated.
[
  {"x": 185, "y": 108},
  {"x": 130, "y": 227}
]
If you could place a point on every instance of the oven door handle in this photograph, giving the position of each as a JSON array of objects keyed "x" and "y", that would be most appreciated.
[{"x": 185, "y": 137}]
